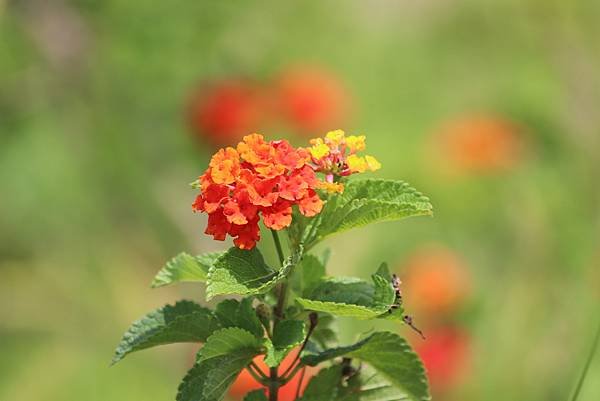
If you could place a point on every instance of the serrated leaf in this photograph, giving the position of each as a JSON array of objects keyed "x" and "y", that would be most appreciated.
[
  {"x": 233, "y": 313},
  {"x": 243, "y": 272},
  {"x": 185, "y": 267},
  {"x": 219, "y": 362},
  {"x": 286, "y": 335},
  {"x": 390, "y": 355},
  {"x": 364, "y": 201},
  {"x": 227, "y": 341},
  {"x": 185, "y": 321},
  {"x": 256, "y": 395},
  {"x": 365, "y": 385},
  {"x": 352, "y": 297}
]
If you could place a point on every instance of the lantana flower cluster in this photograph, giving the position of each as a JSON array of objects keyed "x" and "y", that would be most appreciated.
[
  {"x": 256, "y": 179},
  {"x": 336, "y": 156}
]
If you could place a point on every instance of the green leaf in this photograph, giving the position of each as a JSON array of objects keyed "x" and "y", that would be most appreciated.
[
  {"x": 227, "y": 341},
  {"x": 330, "y": 385},
  {"x": 185, "y": 267},
  {"x": 352, "y": 297},
  {"x": 367, "y": 386},
  {"x": 307, "y": 275},
  {"x": 364, "y": 201},
  {"x": 233, "y": 313},
  {"x": 256, "y": 395},
  {"x": 390, "y": 355},
  {"x": 325, "y": 333},
  {"x": 324, "y": 386},
  {"x": 219, "y": 362},
  {"x": 186, "y": 321},
  {"x": 286, "y": 335},
  {"x": 243, "y": 272}
]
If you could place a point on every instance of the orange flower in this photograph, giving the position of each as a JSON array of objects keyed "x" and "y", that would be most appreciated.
[
  {"x": 436, "y": 281},
  {"x": 480, "y": 143},
  {"x": 335, "y": 156},
  {"x": 246, "y": 383},
  {"x": 258, "y": 178}
]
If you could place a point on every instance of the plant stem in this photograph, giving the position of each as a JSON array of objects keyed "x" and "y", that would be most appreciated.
[
  {"x": 278, "y": 246},
  {"x": 300, "y": 383},
  {"x": 587, "y": 365},
  {"x": 282, "y": 288},
  {"x": 277, "y": 316}
]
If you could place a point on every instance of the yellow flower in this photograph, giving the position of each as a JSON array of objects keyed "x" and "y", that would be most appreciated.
[
  {"x": 372, "y": 163},
  {"x": 357, "y": 164},
  {"x": 335, "y": 137},
  {"x": 356, "y": 143},
  {"x": 332, "y": 187},
  {"x": 319, "y": 151}
]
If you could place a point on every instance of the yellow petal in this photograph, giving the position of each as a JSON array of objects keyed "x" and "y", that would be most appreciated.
[
  {"x": 319, "y": 151},
  {"x": 356, "y": 164},
  {"x": 332, "y": 187},
  {"x": 372, "y": 163},
  {"x": 356, "y": 143},
  {"x": 335, "y": 137}
]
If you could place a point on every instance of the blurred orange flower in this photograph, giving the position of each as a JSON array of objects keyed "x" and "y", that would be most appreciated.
[
  {"x": 480, "y": 143},
  {"x": 436, "y": 281},
  {"x": 224, "y": 110},
  {"x": 245, "y": 382},
  {"x": 310, "y": 100},
  {"x": 445, "y": 354}
]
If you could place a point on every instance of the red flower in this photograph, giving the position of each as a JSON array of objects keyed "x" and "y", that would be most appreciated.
[
  {"x": 222, "y": 111},
  {"x": 445, "y": 354},
  {"x": 312, "y": 100},
  {"x": 258, "y": 178}
]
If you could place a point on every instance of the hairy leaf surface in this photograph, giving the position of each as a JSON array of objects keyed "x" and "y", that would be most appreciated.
[
  {"x": 243, "y": 272},
  {"x": 287, "y": 335},
  {"x": 185, "y": 321},
  {"x": 185, "y": 267},
  {"x": 364, "y": 201},
  {"x": 352, "y": 297},
  {"x": 219, "y": 362},
  {"x": 390, "y": 355}
]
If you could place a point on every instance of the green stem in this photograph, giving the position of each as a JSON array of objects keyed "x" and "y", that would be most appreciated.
[
  {"x": 256, "y": 375},
  {"x": 587, "y": 365},
  {"x": 300, "y": 383},
  {"x": 277, "y": 316},
  {"x": 278, "y": 246}
]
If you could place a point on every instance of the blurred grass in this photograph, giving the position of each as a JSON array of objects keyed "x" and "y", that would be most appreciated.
[{"x": 95, "y": 161}]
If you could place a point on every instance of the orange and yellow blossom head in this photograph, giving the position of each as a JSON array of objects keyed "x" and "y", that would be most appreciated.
[
  {"x": 336, "y": 156},
  {"x": 256, "y": 179},
  {"x": 261, "y": 179}
]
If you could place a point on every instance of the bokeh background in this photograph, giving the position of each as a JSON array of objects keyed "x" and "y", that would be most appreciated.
[{"x": 108, "y": 109}]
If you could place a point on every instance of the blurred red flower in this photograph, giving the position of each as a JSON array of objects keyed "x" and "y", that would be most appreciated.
[
  {"x": 436, "y": 281},
  {"x": 480, "y": 143},
  {"x": 311, "y": 100},
  {"x": 222, "y": 111},
  {"x": 245, "y": 382},
  {"x": 445, "y": 354}
]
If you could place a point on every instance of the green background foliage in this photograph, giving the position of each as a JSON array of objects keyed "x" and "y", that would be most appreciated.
[{"x": 95, "y": 159}]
